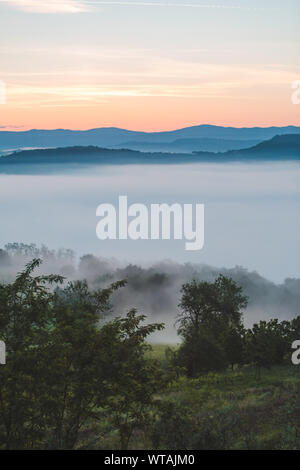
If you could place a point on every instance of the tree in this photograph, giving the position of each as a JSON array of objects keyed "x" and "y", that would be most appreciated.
[
  {"x": 294, "y": 329},
  {"x": 25, "y": 307},
  {"x": 267, "y": 343},
  {"x": 73, "y": 354},
  {"x": 134, "y": 379},
  {"x": 210, "y": 311},
  {"x": 66, "y": 363},
  {"x": 205, "y": 303},
  {"x": 201, "y": 352},
  {"x": 234, "y": 345}
]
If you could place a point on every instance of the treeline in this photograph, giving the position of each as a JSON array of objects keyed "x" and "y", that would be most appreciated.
[
  {"x": 154, "y": 289},
  {"x": 70, "y": 367},
  {"x": 214, "y": 336}
]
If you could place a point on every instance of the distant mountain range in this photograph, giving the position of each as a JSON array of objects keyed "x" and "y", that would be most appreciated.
[
  {"x": 197, "y": 138},
  {"x": 283, "y": 147}
]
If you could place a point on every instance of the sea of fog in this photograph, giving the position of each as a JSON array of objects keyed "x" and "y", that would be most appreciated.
[{"x": 251, "y": 212}]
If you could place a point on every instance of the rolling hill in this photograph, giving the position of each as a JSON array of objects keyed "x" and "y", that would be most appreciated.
[{"x": 279, "y": 148}]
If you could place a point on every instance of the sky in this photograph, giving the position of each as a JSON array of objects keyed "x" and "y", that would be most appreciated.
[{"x": 148, "y": 65}]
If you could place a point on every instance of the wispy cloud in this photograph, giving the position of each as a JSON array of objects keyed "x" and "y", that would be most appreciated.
[
  {"x": 11, "y": 127},
  {"x": 204, "y": 81},
  {"x": 50, "y": 6},
  {"x": 174, "y": 3},
  {"x": 77, "y": 6}
]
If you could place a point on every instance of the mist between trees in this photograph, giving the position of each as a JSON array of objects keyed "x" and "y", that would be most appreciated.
[{"x": 155, "y": 290}]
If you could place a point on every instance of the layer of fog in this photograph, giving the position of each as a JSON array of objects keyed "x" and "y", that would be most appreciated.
[{"x": 251, "y": 212}]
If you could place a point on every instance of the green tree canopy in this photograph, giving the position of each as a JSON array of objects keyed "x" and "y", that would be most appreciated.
[{"x": 66, "y": 364}]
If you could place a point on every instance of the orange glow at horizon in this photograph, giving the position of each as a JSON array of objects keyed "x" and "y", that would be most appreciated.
[
  {"x": 154, "y": 113},
  {"x": 171, "y": 94}
]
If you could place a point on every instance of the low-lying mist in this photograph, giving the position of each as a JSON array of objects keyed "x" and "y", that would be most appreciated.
[
  {"x": 251, "y": 212},
  {"x": 155, "y": 290}
]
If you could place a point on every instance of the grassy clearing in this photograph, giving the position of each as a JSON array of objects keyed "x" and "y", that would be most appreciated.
[
  {"x": 158, "y": 350},
  {"x": 237, "y": 409},
  {"x": 240, "y": 409}
]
